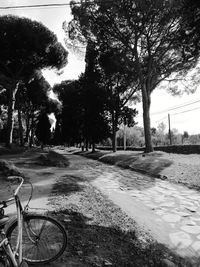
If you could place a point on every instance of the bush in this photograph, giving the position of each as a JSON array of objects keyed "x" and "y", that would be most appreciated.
[
  {"x": 53, "y": 159},
  {"x": 7, "y": 169}
]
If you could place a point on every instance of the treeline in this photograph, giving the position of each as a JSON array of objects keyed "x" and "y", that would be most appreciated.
[
  {"x": 151, "y": 40},
  {"x": 32, "y": 106},
  {"x": 27, "y": 47},
  {"x": 93, "y": 106},
  {"x": 132, "y": 46},
  {"x": 134, "y": 137}
]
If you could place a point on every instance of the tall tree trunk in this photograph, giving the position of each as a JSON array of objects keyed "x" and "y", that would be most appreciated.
[
  {"x": 20, "y": 128},
  {"x": 114, "y": 129},
  {"x": 93, "y": 147},
  {"x": 86, "y": 144},
  {"x": 31, "y": 132},
  {"x": 27, "y": 129},
  {"x": 31, "y": 138},
  {"x": 11, "y": 107},
  {"x": 146, "y": 101}
]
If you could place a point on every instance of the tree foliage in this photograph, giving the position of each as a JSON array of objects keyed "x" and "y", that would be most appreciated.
[
  {"x": 117, "y": 80},
  {"x": 190, "y": 29},
  {"x": 82, "y": 117},
  {"x": 43, "y": 130},
  {"x": 147, "y": 32},
  {"x": 26, "y": 46},
  {"x": 31, "y": 99},
  {"x": 70, "y": 119}
]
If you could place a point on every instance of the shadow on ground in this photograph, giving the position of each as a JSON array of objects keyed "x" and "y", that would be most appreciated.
[
  {"x": 95, "y": 245},
  {"x": 70, "y": 185},
  {"x": 99, "y": 234}
]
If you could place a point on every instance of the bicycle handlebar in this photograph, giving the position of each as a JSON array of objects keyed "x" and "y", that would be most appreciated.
[{"x": 4, "y": 202}]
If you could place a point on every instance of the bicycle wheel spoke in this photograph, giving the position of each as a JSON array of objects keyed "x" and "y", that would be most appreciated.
[
  {"x": 44, "y": 239},
  {"x": 43, "y": 246}
]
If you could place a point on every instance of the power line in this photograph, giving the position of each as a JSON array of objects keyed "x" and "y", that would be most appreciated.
[
  {"x": 35, "y": 6},
  {"x": 173, "y": 114},
  {"x": 49, "y": 5},
  {"x": 176, "y": 107},
  {"x": 185, "y": 111}
]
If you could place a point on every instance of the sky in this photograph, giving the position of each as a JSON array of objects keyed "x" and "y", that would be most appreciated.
[
  {"x": 162, "y": 103},
  {"x": 184, "y": 111}
]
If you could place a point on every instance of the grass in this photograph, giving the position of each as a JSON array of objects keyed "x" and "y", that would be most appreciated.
[
  {"x": 151, "y": 163},
  {"x": 52, "y": 158},
  {"x": 7, "y": 169}
]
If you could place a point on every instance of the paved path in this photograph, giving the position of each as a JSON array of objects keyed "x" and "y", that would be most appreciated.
[{"x": 171, "y": 212}]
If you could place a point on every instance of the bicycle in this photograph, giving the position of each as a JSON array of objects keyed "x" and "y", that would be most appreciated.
[{"x": 29, "y": 238}]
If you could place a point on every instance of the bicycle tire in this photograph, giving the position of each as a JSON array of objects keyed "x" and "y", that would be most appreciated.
[{"x": 48, "y": 234}]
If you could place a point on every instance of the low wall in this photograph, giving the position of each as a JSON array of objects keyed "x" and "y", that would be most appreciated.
[{"x": 178, "y": 149}]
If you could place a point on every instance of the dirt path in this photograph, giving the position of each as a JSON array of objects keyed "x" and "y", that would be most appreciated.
[
  {"x": 42, "y": 178},
  {"x": 100, "y": 233}
]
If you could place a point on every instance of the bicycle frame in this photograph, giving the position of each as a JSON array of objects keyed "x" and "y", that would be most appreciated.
[
  {"x": 20, "y": 223},
  {"x": 6, "y": 246},
  {"x": 5, "y": 242}
]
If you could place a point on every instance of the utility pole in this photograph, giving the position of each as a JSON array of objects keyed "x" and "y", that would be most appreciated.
[{"x": 170, "y": 135}]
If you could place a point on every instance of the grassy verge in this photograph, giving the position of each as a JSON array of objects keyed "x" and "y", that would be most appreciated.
[
  {"x": 151, "y": 164},
  {"x": 176, "y": 168}
]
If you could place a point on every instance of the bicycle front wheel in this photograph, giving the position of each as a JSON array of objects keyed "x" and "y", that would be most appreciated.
[{"x": 44, "y": 238}]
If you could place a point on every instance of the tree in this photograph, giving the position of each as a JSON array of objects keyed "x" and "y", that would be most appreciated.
[
  {"x": 82, "y": 117},
  {"x": 161, "y": 128},
  {"x": 71, "y": 116},
  {"x": 26, "y": 47},
  {"x": 31, "y": 99},
  {"x": 189, "y": 32},
  {"x": 194, "y": 139},
  {"x": 161, "y": 135},
  {"x": 153, "y": 131},
  {"x": 120, "y": 87},
  {"x": 147, "y": 31},
  {"x": 185, "y": 136},
  {"x": 176, "y": 136},
  {"x": 96, "y": 124},
  {"x": 127, "y": 118},
  {"x": 3, "y": 120},
  {"x": 43, "y": 130},
  {"x": 57, "y": 135},
  {"x": 134, "y": 136},
  {"x": 84, "y": 104}
]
